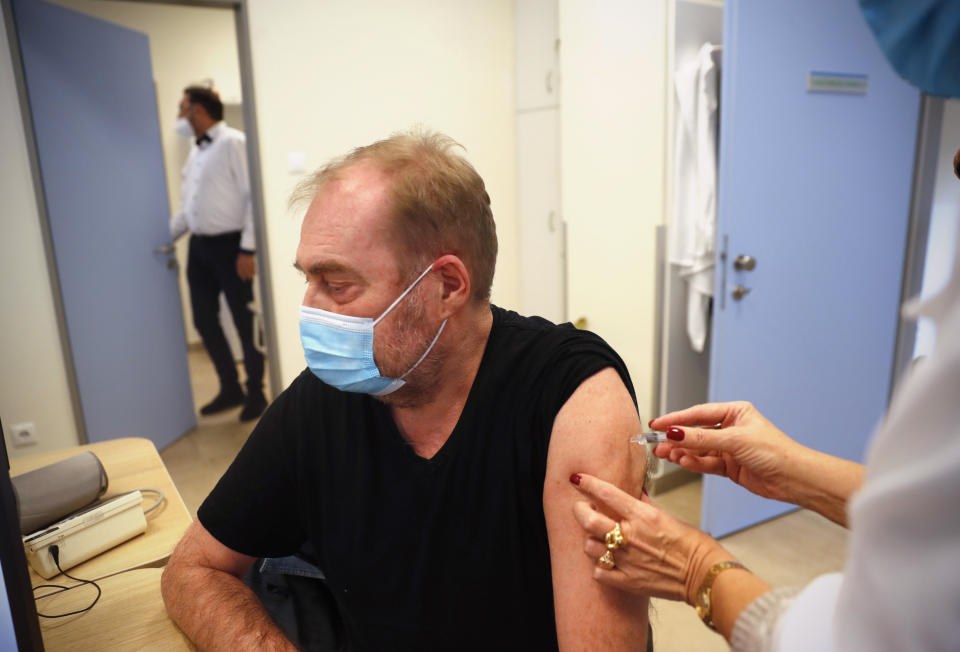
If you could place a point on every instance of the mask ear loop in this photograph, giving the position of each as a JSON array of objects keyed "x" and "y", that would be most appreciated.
[
  {"x": 405, "y": 293},
  {"x": 417, "y": 363}
]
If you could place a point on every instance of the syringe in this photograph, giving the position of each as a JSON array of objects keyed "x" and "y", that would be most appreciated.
[{"x": 649, "y": 438}]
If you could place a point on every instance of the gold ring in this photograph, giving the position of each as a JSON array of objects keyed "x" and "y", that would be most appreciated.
[
  {"x": 606, "y": 560},
  {"x": 614, "y": 538}
]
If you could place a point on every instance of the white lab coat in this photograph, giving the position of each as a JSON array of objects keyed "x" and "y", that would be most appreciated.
[{"x": 692, "y": 234}]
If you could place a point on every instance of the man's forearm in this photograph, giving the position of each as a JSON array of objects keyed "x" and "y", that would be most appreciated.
[{"x": 217, "y": 611}]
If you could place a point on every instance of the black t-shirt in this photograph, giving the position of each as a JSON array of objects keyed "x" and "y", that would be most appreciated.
[{"x": 443, "y": 553}]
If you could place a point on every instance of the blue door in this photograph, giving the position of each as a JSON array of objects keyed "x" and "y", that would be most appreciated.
[
  {"x": 94, "y": 111},
  {"x": 815, "y": 186}
]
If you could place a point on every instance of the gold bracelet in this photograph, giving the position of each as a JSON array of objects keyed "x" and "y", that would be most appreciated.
[{"x": 704, "y": 604}]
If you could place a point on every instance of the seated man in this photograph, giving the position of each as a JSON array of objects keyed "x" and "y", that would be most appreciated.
[{"x": 425, "y": 454}]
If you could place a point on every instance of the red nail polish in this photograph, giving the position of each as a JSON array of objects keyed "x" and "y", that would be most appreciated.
[
  {"x": 645, "y": 492},
  {"x": 675, "y": 434},
  {"x": 575, "y": 478},
  {"x": 650, "y": 423}
]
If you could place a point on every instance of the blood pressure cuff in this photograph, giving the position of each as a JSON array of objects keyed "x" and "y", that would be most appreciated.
[{"x": 51, "y": 492}]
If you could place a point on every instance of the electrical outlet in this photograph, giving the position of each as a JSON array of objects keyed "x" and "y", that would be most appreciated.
[{"x": 23, "y": 434}]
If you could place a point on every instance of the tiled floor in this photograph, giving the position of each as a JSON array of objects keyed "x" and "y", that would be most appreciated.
[{"x": 790, "y": 550}]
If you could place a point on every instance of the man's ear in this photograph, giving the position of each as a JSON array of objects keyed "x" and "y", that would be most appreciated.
[{"x": 456, "y": 284}]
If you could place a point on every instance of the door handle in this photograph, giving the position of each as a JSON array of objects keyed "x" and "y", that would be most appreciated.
[
  {"x": 165, "y": 249},
  {"x": 739, "y": 292},
  {"x": 723, "y": 273},
  {"x": 744, "y": 263}
]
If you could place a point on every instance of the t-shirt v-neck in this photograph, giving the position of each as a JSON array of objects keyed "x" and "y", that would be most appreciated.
[{"x": 449, "y": 446}]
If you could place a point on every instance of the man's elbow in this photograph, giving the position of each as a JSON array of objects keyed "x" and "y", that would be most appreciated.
[
  {"x": 175, "y": 579},
  {"x": 189, "y": 561},
  {"x": 171, "y": 581}
]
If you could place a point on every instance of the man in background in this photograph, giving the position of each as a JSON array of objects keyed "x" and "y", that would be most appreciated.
[{"x": 215, "y": 207}]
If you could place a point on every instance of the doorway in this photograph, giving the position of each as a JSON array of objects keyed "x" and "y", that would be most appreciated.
[{"x": 189, "y": 44}]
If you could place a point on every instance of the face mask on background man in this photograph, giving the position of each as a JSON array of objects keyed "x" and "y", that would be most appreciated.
[{"x": 183, "y": 128}]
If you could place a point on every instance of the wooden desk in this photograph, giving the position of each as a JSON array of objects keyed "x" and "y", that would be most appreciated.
[
  {"x": 130, "y": 464},
  {"x": 129, "y": 616}
]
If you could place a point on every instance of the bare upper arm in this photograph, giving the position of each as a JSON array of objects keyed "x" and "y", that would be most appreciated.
[{"x": 590, "y": 434}]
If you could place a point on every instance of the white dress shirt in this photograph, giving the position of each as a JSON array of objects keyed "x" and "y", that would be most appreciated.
[{"x": 215, "y": 188}]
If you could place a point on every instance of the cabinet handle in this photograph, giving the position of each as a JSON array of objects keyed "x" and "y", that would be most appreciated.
[
  {"x": 549, "y": 81},
  {"x": 550, "y": 221}
]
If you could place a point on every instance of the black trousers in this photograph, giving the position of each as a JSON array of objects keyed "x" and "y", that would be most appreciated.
[{"x": 211, "y": 269}]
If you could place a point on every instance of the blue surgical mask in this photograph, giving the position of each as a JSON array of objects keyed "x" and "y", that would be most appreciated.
[{"x": 339, "y": 349}]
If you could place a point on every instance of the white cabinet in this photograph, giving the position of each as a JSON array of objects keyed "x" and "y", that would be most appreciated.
[
  {"x": 536, "y": 53},
  {"x": 542, "y": 264},
  {"x": 542, "y": 233}
]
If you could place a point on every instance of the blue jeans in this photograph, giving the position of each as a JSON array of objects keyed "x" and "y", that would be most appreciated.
[{"x": 295, "y": 594}]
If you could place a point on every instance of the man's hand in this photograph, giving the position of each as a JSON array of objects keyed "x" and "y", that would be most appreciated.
[{"x": 246, "y": 266}]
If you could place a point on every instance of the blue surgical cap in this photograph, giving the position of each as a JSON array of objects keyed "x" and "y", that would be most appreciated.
[{"x": 921, "y": 38}]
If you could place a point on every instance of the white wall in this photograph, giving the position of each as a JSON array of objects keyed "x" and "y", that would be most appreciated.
[
  {"x": 329, "y": 77},
  {"x": 334, "y": 75},
  {"x": 188, "y": 45},
  {"x": 33, "y": 381},
  {"x": 612, "y": 61}
]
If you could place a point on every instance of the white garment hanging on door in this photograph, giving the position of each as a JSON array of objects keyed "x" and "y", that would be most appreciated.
[{"x": 693, "y": 229}]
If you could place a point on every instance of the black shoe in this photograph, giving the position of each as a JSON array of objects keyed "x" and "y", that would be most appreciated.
[
  {"x": 223, "y": 401},
  {"x": 253, "y": 407}
]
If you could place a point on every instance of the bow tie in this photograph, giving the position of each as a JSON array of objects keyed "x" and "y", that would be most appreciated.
[{"x": 205, "y": 138}]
